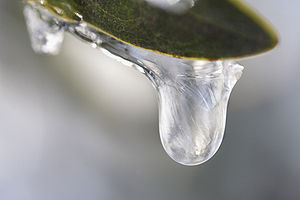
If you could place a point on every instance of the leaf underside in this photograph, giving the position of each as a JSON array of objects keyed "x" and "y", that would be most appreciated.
[{"x": 211, "y": 29}]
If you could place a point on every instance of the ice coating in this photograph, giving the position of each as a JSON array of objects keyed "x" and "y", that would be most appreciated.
[
  {"x": 45, "y": 34},
  {"x": 177, "y": 6},
  {"x": 192, "y": 94}
]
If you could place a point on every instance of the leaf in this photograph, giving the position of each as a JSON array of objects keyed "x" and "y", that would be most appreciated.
[{"x": 211, "y": 29}]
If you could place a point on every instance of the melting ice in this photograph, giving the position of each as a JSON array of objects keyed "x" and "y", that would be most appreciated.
[{"x": 192, "y": 94}]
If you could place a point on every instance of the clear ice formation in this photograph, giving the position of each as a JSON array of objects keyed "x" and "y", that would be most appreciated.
[
  {"x": 45, "y": 34},
  {"x": 192, "y": 94}
]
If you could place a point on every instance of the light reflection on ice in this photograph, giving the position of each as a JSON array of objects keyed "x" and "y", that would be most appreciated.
[{"x": 192, "y": 94}]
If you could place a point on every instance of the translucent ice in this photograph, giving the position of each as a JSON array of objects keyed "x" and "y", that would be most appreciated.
[
  {"x": 192, "y": 95},
  {"x": 177, "y": 6},
  {"x": 46, "y": 34}
]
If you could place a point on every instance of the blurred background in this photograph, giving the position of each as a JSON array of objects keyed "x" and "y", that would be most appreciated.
[{"x": 83, "y": 126}]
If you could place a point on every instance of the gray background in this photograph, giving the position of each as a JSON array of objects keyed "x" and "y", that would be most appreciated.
[{"x": 82, "y": 126}]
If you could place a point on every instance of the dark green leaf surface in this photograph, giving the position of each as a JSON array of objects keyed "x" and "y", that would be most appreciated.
[{"x": 211, "y": 29}]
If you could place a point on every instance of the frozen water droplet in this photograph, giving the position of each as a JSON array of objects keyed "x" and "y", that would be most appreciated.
[
  {"x": 46, "y": 34},
  {"x": 193, "y": 98},
  {"x": 193, "y": 105},
  {"x": 177, "y": 6},
  {"x": 193, "y": 95}
]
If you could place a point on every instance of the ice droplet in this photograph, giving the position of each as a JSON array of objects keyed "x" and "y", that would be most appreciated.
[
  {"x": 46, "y": 34},
  {"x": 192, "y": 94}
]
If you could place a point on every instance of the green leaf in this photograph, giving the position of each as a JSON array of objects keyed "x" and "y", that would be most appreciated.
[{"x": 211, "y": 29}]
